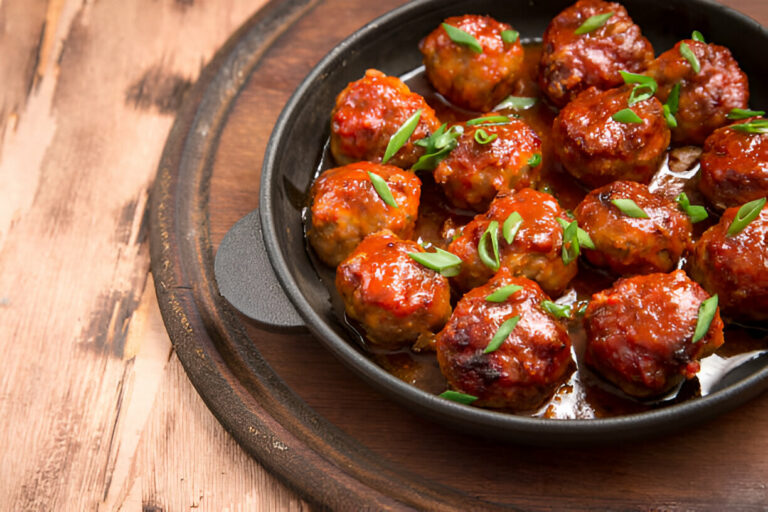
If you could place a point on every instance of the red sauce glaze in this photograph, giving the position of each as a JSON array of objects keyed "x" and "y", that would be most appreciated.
[
  {"x": 734, "y": 167},
  {"x": 597, "y": 150},
  {"x": 629, "y": 245},
  {"x": 345, "y": 207},
  {"x": 735, "y": 267},
  {"x": 476, "y": 81},
  {"x": 573, "y": 63},
  {"x": 705, "y": 97},
  {"x": 369, "y": 111},
  {"x": 474, "y": 173},
  {"x": 639, "y": 333},
  {"x": 535, "y": 252},
  {"x": 531, "y": 362},
  {"x": 395, "y": 298}
]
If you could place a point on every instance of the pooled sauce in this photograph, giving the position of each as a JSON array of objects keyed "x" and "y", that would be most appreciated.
[{"x": 583, "y": 395}]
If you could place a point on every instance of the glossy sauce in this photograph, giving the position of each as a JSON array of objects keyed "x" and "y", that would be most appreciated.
[{"x": 583, "y": 395}]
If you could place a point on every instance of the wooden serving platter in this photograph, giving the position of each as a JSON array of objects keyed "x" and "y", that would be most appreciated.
[{"x": 303, "y": 415}]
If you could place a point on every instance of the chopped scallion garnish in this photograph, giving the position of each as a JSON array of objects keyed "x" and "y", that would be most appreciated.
[
  {"x": 482, "y": 136},
  {"x": 645, "y": 87},
  {"x": 570, "y": 249},
  {"x": 627, "y": 116},
  {"x": 593, "y": 23},
  {"x": 755, "y": 126},
  {"x": 556, "y": 310},
  {"x": 437, "y": 147},
  {"x": 509, "y": 36},
  {"x": 446, "y": 263},
  {"x": 488, "y": 120},
  {"x": 707, "y": 311},
  {"x": 740, "y": 113},
  {"x": 503, "y": 293},
  {"x": 492, "y": 232},
  {"x": 745, "y": 215},
  {"x": 517, "y": 103},
  {"x": 462, "y": 37},
  {"x": 584, "y": 239},
  {"x": 629, "y": 208},
  {"x": 455, "y": 396},
  {"x": 535, "y": 160},
  {"x": 504, "y": 331},
  {"x": 381, "y": 187},
  {"x": 686, "y": 52},
  {"x": 511, "y": 226},
  {"x": 695, "y": 212},
  {"x": 401, "y": 136},
  {"x": 698, "y": 36}
]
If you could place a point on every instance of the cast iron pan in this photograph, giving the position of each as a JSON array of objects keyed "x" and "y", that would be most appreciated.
[{"x": 269, "y": 243}]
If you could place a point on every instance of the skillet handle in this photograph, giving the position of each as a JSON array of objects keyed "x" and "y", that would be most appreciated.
[{"x": 246, "y": 279}]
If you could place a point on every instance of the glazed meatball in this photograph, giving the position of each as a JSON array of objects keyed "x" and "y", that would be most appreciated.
[
  {"x": 369, "y": 111},
  {"x": 531, "y": 361},
  {"x": 628, "y": 245},
  {"x": 640, "y": 333},
  {"x": 734, "y": 167},
  {"x": 393, "y": 297},
  {"x": 470, "y": 79},
  {"x": 535, "y": 252},
  {"x": 706, "y": 97},
  {"x": 735, "y": 267},
  {"x": 597, "y": 149},
  {"x": 572, "y": 63},
  {"x": 345, "y": 207},
  {"x": 473, "y": 173}
]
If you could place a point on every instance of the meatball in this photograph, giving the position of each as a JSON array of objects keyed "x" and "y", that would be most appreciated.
[
  {"x": 369, "y": 111},
  {"x": 470, "y": 79},
  {"x": 734, "y": 167},
  {"x": 597, "y": 149},
  {"x": 532, "y": 360},
  {"x": 535, "y": 251},
  {"x": 706, "y": 97},
  {"x": 572, "y": 63},
  {"x": 346, "y": 207},
  {"x": 735, "y": 267},
  {"x": 473, "y": 173},
  {"x": 393, "y": 297},
  {"x": 629, "y": 245},
  {"x": 640, "y": 333}
]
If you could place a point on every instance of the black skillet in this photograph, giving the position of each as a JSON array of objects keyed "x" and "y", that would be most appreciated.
[{"x": 264, "y": 269}]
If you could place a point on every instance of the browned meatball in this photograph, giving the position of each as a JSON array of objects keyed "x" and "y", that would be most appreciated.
[
  {"x": 734, "y": 166},
  {"x": 628, "y": 245},
  {"x": 532, "y": 360},
  {"x": 735, "y": 267},
  {"x": 640, "y": 333},
  {"x": 706, "y": 97},
  {"x": 345, "y": 207},
  {"x": 369, "y": 111},
  {"x": 572, "y": 63},
  {"x": 597, "y": 149},
  {"x": 395, "y": 298},
  {"x": 470, "y": 79},
  {"x": 535, "y": 252},
  {"x": 473, "y": 173}
]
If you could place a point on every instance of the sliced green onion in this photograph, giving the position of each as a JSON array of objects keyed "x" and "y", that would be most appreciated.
[
  {"x": 629, "y": 208},
  {"x": 756, "y": 126},
  {"x": 556, "y": 310},
  {"x": 593, "y": 23},
  {"x": 745, "y": 215},
  {"x": 509, "y": 36},
  {"x": 535, "y": 160},
  {"x": 503, "y": 293},
  {"x": 488, "y": 120},
  {"x": 570, "y": 249},
  {"x": 511, "y": 226},
  {"x": 686, "y": 52},
  {"x": 491, "y": 231},
  {"x": 645, "y": 87},
  {"x": 673, "y": 100},
  {"x": 401, "y": 136},
  {"x": 584, "y": 239},
  {"x": 381, "y": 187},
  {"x": 482, "y": 137},
  {"x": 458, "y": 397},
  {"x": 504, "y": 331},
  {"x": 740, "y": 113},
  {"x": 698, "y": 36},
  {"x": 462, "y": 37},
  {"x": 695, "y": 212},
  {"x": 517, "y": 103},
  {"x": 437, "y": 147},
  {"x": 627, "y": 116},
  {"x": 669, "y": 116},
  {"x": 707, "y": 311},
  {"x": 446, "y": 263}
]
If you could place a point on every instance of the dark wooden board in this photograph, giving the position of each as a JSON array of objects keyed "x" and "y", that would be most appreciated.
[{"x": 306, "y": 417}]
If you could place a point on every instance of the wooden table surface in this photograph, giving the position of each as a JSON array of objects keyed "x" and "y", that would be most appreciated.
[{"x": 96, "y": 410}]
